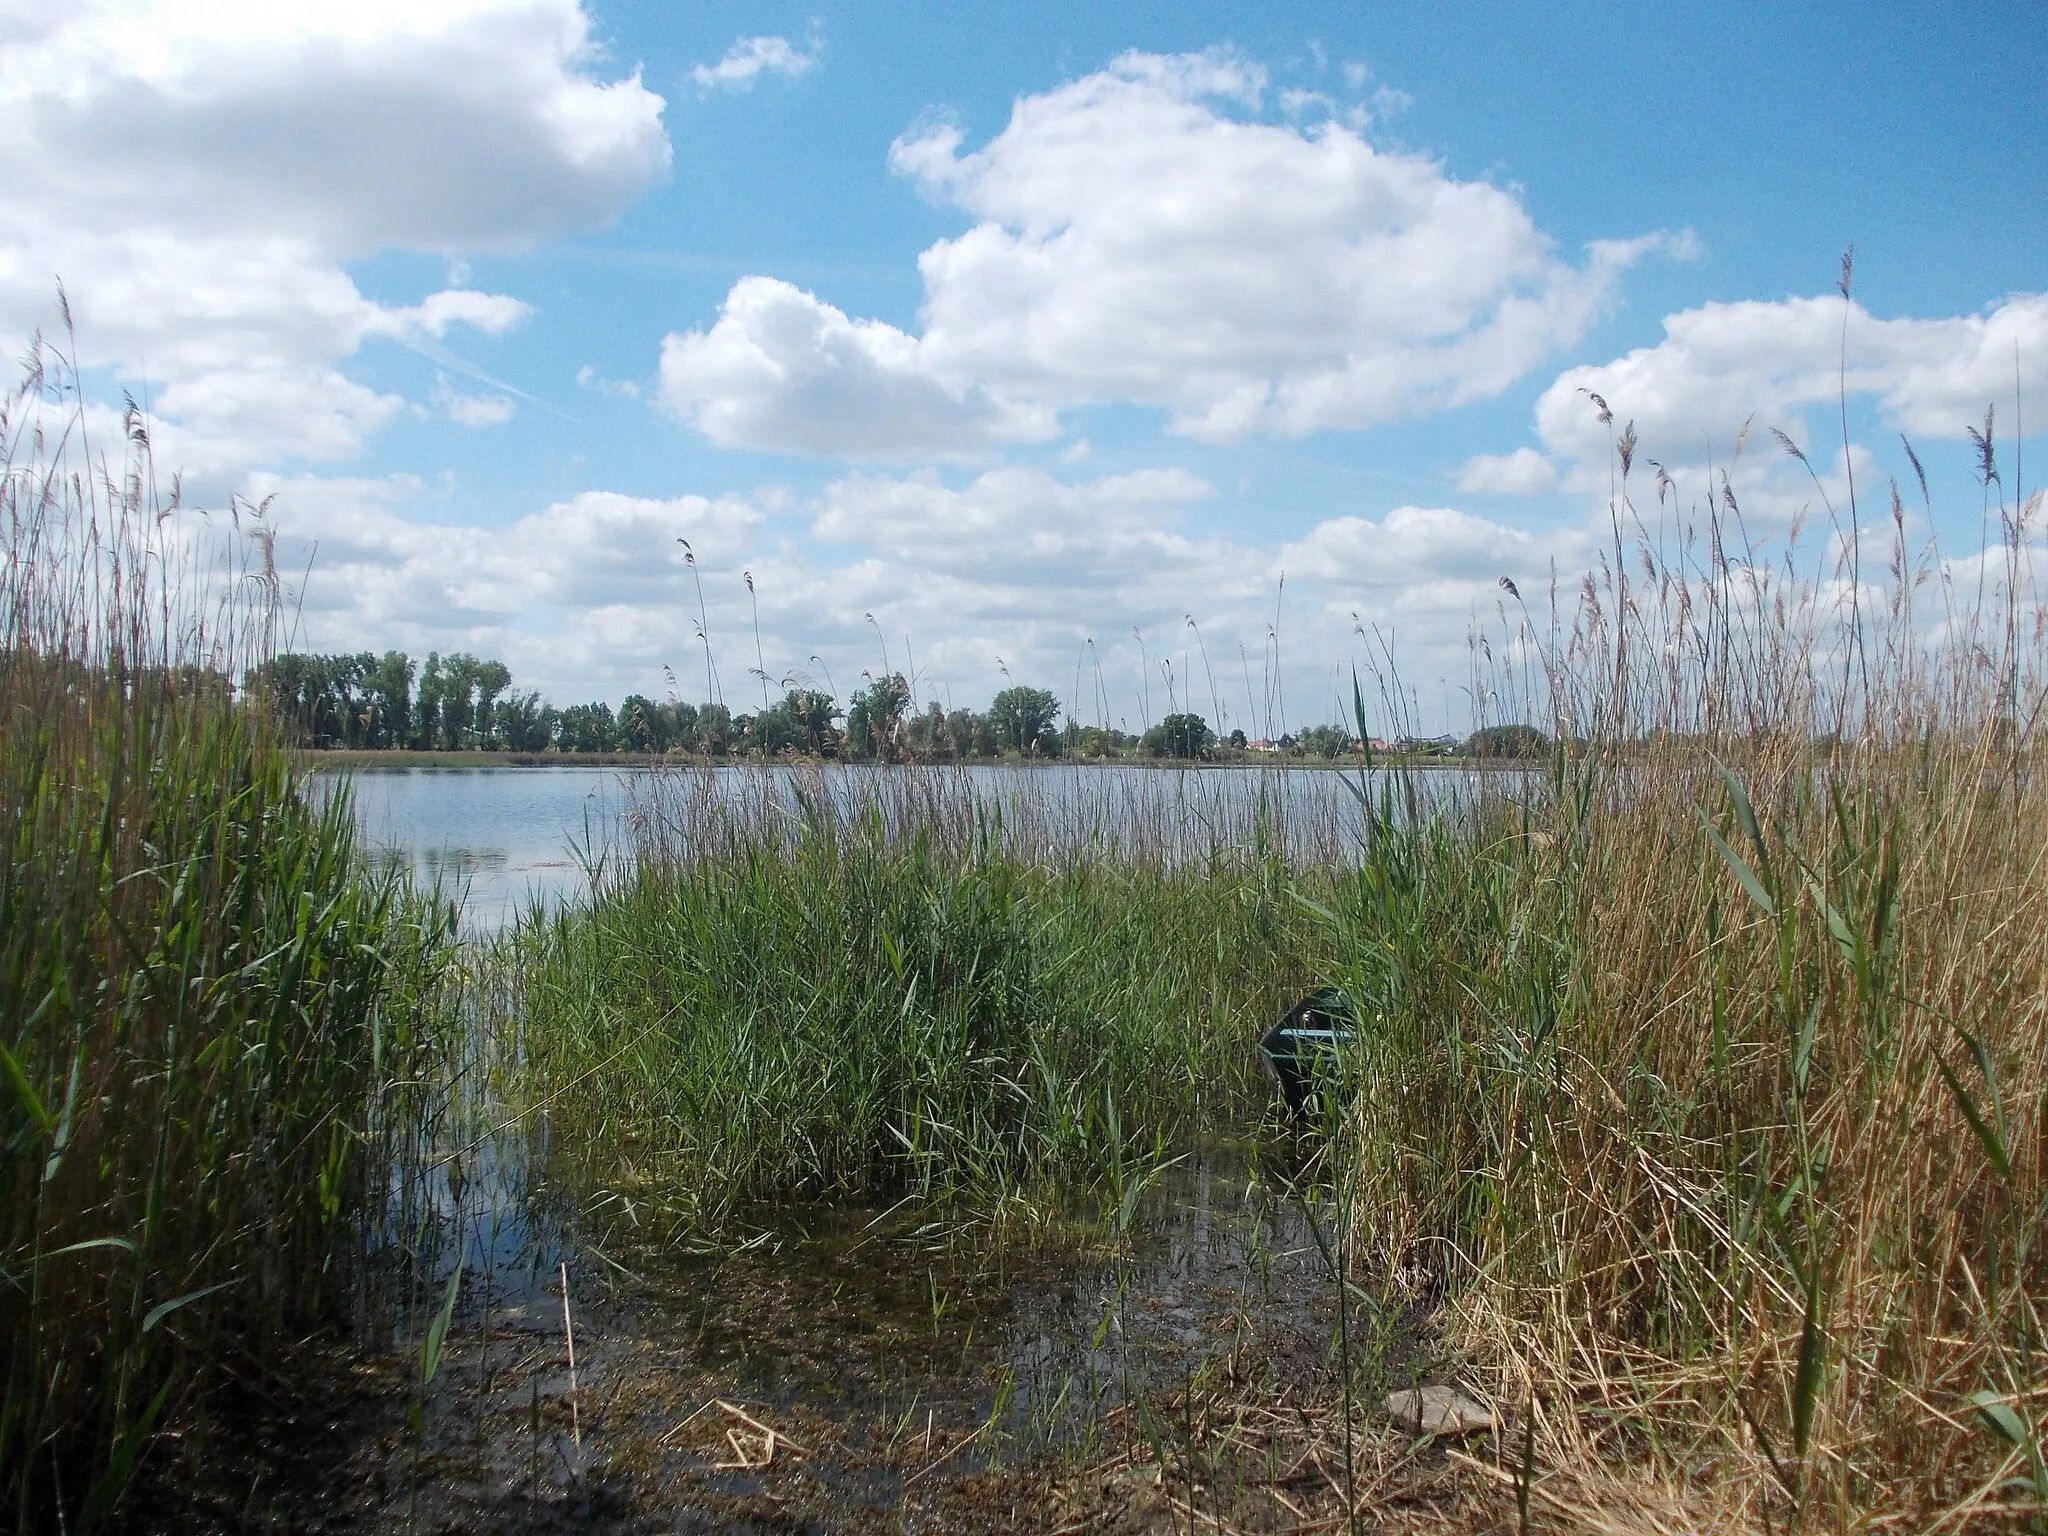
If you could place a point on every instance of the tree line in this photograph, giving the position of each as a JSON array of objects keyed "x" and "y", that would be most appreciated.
[{"x": 367, "y": 702}]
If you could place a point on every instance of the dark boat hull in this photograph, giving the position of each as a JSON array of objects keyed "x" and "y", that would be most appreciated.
[{"x": 1301, "y": 1051}]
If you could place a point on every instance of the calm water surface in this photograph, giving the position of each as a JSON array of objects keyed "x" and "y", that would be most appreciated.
[
  {"x": 504, "y": 839},
  {"x": 499, "y": 839}
]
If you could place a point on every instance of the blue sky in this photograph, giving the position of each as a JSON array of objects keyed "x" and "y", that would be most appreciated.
[{"x": 500, "y": 299}]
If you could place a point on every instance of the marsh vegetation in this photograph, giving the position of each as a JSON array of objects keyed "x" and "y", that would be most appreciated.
[
  {"x": 1695, "y": 1124},
  {"x": 211, "y": 1006}
]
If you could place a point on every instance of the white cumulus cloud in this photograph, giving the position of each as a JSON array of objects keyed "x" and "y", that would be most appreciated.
[
  {"x": 1023, "y": 525},
  {"x": 491, "y": 313},
  {"x": 781, "y": 369},
  {"x": 1720, "y": 365},
  {"x": 1525, "y": 472},
  {"x": 1143, "y": 235},
  {"x": 1411, "y": 545},
  {"x": 544, "y": 593},
  {"x": 201, "y": 175}
]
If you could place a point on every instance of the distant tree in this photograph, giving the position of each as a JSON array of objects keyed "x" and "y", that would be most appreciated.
[
  {"x": 1180, "y": 735},
  {"x": 983, "y": 739},
  {"x": 1325, "y": 741},
  {"x": 587, "y": 728},
  {"x": 458, "y": 701},
  {"x": 684, "y": 722},
  {"x": 646, "y": 726},
  {"x": 320, "y": 700},
  {"x": 291, "y": 686},
  {"x": 926, "y": 735},
  {"x": 1096, "y": 742},
  {"x": 801, "y": 723},
  {"x": 1022, "y": 719},
  {"x": 389, "y": 691},
  {"x": 524, "y": 723},
  {"x": 714, "y": 730},
  {"x": 426, "y": 714},
  {"x": 491, "y": 678},
  {"x": 1507, "y": 741},
  {"x": 1237, "y": 740},
  {"x": 874, "y": 720},
  {"x": 962, "y": 726},
  {"x": 812, "y": 714}
]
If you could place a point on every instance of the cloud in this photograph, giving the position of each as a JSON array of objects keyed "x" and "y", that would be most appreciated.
[
  {"x": 491, "y": 313},
  {"x": 1143, "y": 235},
  {"x": 749, "y": 57},
  {"x": 1413, "y": 545},
  {"x": 1022, "y": 526},
  {"x": 1299, "y": 103},
  {"x": 542, "y": 593},
  {"x": 1525, "y": 472},
  {"x": 975, "y": 581},
  {"x": 1719, "y": 365},
  {"x": 782, "y": 370},
  {"x": 202, "y": 176},
  {"x": 587, "y": 377},
  {"x": 472, "y": 410}
]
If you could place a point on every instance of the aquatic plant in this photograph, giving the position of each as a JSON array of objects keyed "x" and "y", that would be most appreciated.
[
  {"x": 204, "y": 998},
  {"x": 865, "y": 986}
]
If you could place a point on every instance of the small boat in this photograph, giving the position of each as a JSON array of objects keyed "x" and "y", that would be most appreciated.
[{"x": 1301, "y": 1050}]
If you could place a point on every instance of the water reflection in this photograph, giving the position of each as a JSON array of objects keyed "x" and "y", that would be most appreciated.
[{"x": 500, "y": 840}]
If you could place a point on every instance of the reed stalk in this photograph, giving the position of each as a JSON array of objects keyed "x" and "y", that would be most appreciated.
[
  {"x": 204, "y": 998},
  {"x": 1705, "y": 1083}
]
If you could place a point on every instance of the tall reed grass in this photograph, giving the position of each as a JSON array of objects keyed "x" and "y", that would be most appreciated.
[
  {"x": 204, "y": 999},
  {"x": 877, "y": 985},
  {"x": 1703, "y": 1074},
  {"x": 1706, "y": 1086}
]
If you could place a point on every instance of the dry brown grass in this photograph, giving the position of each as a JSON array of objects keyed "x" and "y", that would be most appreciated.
[{"x": 1709, "y": 1082}]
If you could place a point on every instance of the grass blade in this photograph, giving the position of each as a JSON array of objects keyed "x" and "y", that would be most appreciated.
[{"x": 1734, "y": 861}]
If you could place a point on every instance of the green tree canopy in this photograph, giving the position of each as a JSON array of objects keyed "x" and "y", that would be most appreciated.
[
  {"x": 1181, "y": 735},
  {"x": 1023, "y": 720},
  {"x": 1326, "y": 741},
  {"x": 1507, "y": 741},
  {"x": 874, "y": 721}
]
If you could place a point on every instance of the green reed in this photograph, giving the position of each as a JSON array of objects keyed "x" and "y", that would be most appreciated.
[
  {"x": 207, "y": 1005},
  {"x": 848, "y": 1002}
]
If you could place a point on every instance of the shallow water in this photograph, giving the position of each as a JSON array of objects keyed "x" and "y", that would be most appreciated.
[
  {"x": 498, "y": 839},
  {"x": 913, "y": 1377}
]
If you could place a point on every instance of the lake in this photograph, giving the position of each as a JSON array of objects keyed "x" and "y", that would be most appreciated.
[{"x": 501, "y": 840}]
